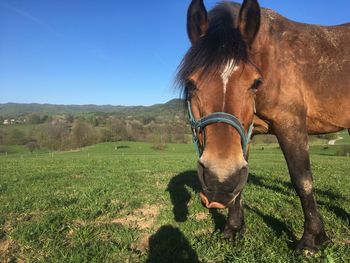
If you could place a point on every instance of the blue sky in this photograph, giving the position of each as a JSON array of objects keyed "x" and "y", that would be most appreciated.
[{"x": 109, "y": 52}]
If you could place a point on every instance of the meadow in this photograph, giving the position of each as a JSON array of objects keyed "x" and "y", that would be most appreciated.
[{"x": 127, "y": 202}]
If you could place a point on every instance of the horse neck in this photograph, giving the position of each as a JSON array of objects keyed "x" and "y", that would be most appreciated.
[{"x": 263, "y": 51}]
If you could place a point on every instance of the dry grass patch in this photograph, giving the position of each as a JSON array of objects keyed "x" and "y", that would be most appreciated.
[
  {"x": 7, "y": 227},
  {"x": 79, "y": 223},
  {"x": 202, "y": 216},
  {"x": 141, "y": 244},
  {"x": 143, "y": 218},
  {"x": 4, "y": 245}
]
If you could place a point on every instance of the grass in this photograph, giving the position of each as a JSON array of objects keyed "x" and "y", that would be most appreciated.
[{"x": 127, "y": 202}]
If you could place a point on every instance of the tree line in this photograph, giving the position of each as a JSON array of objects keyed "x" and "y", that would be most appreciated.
[{"x": 71, "y": 132}]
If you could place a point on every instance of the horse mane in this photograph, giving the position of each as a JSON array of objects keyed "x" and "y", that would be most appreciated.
[{"x": 220, "y": 45}]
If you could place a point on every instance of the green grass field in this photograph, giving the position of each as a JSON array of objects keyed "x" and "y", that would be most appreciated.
[{"x": 126, "y": 202}]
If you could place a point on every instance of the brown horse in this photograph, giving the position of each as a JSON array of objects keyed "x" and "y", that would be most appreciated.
[{"x": 250, "y": 65}]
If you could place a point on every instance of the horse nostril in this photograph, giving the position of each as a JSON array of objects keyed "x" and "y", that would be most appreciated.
[
  {"x": 244, "y": 169},
  {"x": 202, "y": 174}
]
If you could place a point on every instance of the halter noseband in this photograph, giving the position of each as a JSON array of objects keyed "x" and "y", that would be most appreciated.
[{"x": 217, "y": 117}]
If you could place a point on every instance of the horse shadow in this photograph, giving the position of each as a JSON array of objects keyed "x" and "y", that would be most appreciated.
[
  {"x": 277, "y": 225},
  {"x": 180, "y": 196}
]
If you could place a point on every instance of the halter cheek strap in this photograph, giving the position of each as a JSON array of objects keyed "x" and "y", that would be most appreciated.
[{"x": 217, "y": 117}]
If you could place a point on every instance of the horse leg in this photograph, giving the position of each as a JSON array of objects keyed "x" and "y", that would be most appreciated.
[
  {"x": 293, "y": 139},
  {"x": 235, "y": 220}
]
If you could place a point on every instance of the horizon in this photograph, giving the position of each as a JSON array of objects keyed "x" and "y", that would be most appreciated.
[
  {"x": 109, "y": 53},
  {"x": 90, "y": 104}
]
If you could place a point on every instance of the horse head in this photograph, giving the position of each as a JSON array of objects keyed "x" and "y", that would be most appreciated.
[{"x": 220, "y": 82}]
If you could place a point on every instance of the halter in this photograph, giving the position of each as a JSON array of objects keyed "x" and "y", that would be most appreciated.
[{"x": 217, "y": 117}]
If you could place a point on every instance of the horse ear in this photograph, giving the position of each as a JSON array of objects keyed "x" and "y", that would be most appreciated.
[
  {"x": 197, "y": 20},
  {"x": 249, "y": 20}
]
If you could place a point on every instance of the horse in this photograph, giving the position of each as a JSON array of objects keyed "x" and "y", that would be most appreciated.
[{"x": 252, "y": 71}]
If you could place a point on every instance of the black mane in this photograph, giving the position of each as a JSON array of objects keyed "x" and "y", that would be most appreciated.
[{"x": 221, "y": 44}]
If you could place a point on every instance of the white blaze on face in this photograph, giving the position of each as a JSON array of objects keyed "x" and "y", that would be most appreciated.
[{"x": 226, "y": 74}]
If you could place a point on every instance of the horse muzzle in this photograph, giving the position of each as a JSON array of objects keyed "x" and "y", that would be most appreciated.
[{"x": 220, "y": 195}]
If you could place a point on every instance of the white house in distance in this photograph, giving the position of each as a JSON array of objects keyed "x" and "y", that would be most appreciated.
[{"x": 8, "y": 122}]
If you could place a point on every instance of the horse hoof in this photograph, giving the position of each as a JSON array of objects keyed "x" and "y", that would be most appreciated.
[
  {"x": 306, "y": 250},
  {"x": 232, "y": 234},
  {"x": 309, "y": 252},
  {"x": 310, "y": 247}
]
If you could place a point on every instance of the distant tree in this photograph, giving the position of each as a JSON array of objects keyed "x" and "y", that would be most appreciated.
[
  {"x": 102, "y": 118},
  {"x": 2, "y": 136},
  {"x": 148, "y": 119},
  {"x": 49, "y": 119},
  {"x": 16, "y": 137},
  {"x": 158, "y": 142},
  {"x": 44, "y": 118},
  {"x": 118, "y": 129},
  {"x": 92, "y": 120},
  {"x": 83, "y": 133},
  {"x": 58, "y": 132},
  {"x": 33, "y": 118},
  {"x": 105, "y": 135},
  {"x": 53, "y": 135},
  {"x": 40, "y": 134},
  {"x": 70, "y": 118}
]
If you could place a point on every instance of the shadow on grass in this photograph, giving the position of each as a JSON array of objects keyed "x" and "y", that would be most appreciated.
[
  {"x": 285, "y": 188},
  {"x": 278, "y": 226},
  {"x": 119, "y": 147},
  {"x": 338, "y": 211},
  {"x": 170, "y": 245},
  {"x": 180, "y": 197},
  {"x": 269, "y": 185}
]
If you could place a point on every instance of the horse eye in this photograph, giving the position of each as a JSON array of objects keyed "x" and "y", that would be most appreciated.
[
  {"x": 190, "y": 87},
  {"x": 256, "y": 84}
]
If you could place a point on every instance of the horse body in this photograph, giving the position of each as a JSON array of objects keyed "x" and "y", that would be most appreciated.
[
  {"x": 307, "y": 73},
  {"x": 289, "y": 79}
]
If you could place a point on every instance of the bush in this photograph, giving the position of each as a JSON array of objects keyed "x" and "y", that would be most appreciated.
[
  {"x": 17, "y": 137},
  {"x": 53, "y": 135},
  {"x": 32, "y": 145},
  {"x": 157, "y": 142},
  {"x": 83, "y": 134}
]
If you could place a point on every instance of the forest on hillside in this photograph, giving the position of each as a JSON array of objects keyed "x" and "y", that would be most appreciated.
[{"x": 59, "y": 127}]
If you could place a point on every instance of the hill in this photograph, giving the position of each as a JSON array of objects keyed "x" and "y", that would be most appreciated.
[{"x": 14, "y": 109}]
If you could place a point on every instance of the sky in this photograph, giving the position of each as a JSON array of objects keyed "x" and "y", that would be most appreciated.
[{"x": 114, "y": 52}]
